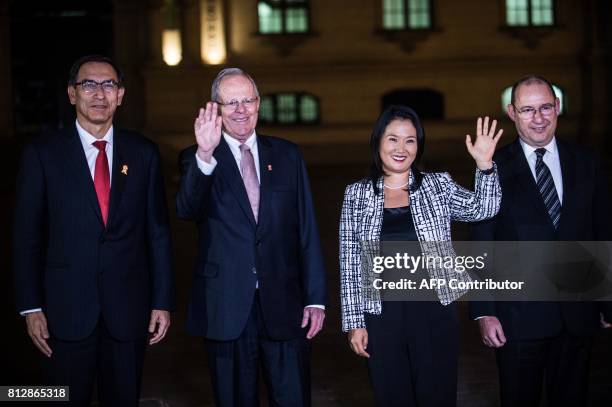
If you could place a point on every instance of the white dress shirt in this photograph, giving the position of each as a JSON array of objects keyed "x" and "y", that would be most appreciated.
[
  {"x": 234, "y": 145},
  {"x": 551, "y": 159},
  {"x": 91, "y": 153}
]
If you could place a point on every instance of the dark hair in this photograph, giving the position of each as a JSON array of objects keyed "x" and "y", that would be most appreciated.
[
  {"x": 395, "y": 112},
  {"x": 74, "y": 70},
  {"x": 531, "y": 80}
]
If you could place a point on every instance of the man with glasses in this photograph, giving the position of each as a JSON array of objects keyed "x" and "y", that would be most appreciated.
[
  {"x": 259, "y": 287},
  {"x": 92, "y": 256},
  {"x": 551, "y": 191}
]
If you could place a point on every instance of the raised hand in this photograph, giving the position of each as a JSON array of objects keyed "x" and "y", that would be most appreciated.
[
  {"x": 207, "y": 128},
  {"x": 483, "y": 148}
]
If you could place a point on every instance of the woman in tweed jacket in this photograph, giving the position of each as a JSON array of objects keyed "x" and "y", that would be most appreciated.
[{"x": 411, "y": 346}]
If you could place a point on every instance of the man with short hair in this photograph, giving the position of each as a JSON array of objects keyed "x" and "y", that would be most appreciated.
[
  {"x": 92, "y": 254},
  {"x": 259, "y": 285},
  {"x": 551, "y": 191}
]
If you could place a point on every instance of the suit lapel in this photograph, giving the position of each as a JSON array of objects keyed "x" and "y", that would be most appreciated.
[
  {"x": 226, "y": 164},
  {"x": 568, "y": 173},
  {"x": 118, "y": 178},
  {"x": 266, "y": 166},
  {"x": 80, "y": 169},
  {"x": 527, "y": 183}
]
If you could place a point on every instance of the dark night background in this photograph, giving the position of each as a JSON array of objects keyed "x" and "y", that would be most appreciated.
[{"x": 39, "y": 40}]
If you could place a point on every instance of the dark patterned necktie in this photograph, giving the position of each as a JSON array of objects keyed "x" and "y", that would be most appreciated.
[{"x": 546, "y": 185}]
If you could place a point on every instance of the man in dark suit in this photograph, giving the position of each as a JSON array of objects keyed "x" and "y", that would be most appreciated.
[
  {"x": 551, "y": 191},
  {"x": 259, "y": 280},
  {"x": 92, "y": 245}
]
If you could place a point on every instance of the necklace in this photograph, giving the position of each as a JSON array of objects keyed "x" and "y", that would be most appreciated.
[{"x": 397, "y": 187}]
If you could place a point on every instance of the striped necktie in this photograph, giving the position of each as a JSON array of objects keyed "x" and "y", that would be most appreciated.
[{"x": 546, "y": 186}]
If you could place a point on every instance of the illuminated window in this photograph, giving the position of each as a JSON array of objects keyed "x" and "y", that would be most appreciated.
[
  {"x": 523, "y": 13},
  {"x": 283, "y": 16},
  {"x": 289, "y": 108},
  {"x": 507, "y": 95},
  {"x": 406, "y": 14}
]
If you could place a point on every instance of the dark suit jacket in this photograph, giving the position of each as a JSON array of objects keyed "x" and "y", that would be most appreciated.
[
  {"x": 67, "y": 263},
  {"x": 281, "y": 252},
  {"x": 523, "y": 217}
]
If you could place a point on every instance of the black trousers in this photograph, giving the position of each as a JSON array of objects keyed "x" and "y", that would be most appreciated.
[
  {"x": 234, "y": 367},
  {"x": 115, "y": 365},
  {"x": 562, "y": 363},
  {"x": 413, "y": 349}
]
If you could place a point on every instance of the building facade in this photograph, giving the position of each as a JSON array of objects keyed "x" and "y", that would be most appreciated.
[{"x": 325, "y": 68}]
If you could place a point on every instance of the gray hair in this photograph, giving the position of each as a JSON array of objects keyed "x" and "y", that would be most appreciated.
[{"x": 227, "y": 72}]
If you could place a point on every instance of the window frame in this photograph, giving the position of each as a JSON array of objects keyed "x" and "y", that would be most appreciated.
[
  {"x": 529, "y": 16},
  {"x": 283, "y": 6},
  {"x": 298, "y": 97},
  {"x": 530, "y": 35},
  {"x": 407, "y": 27}
]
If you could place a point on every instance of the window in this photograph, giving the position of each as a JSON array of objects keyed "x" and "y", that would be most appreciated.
[
  {"x": 507, "y": 94},
  {"x": 406, "y": 14},
  {"x": 428, "y": 104},
  {"x": 283, "y": 16},
  {"x": 523, "y": 13},
  {"x": 289, "y": 108}
]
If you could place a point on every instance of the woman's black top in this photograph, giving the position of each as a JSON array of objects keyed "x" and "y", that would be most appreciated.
[{"x": 397, "y": 225}]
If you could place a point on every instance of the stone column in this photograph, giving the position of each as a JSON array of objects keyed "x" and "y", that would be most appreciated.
[
  {"x": 190, "y": 30},
  {"x": 155, "y": 27}
]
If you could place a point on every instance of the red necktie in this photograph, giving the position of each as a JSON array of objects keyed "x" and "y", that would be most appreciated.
[{"x": 102, "y": 179}]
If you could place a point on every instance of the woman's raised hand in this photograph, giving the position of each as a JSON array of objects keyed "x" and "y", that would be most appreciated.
[{"x": 484, "y": 146}]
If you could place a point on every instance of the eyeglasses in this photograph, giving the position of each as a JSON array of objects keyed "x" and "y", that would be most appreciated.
[
  {"x": 529, "y": 112},
  {"x": 91, "y": 86},
  {"x": 234, "y": 104}
]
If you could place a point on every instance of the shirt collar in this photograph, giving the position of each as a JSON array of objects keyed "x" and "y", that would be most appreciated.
[
  {"x": 87, "y": 139},
  {"x": 235, "y": 144},
  {"x": 551, "y": 148}
]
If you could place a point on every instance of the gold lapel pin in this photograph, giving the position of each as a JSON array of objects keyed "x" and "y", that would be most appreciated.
[
  {"x": 269, "y": 167},
  {"x": 124, "y": 169}
]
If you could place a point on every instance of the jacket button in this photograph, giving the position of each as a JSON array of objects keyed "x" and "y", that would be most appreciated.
[{"x": 254, "y": 270}]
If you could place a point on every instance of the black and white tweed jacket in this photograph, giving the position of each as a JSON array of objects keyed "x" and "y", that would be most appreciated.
[{"x": 433, "y": 205}]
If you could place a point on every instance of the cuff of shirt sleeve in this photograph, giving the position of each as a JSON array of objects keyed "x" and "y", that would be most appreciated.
[
  {"x": 29, "y": 311},
  {"x": 315, "y": 306},
  {"x": 206, "y": 168}
]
